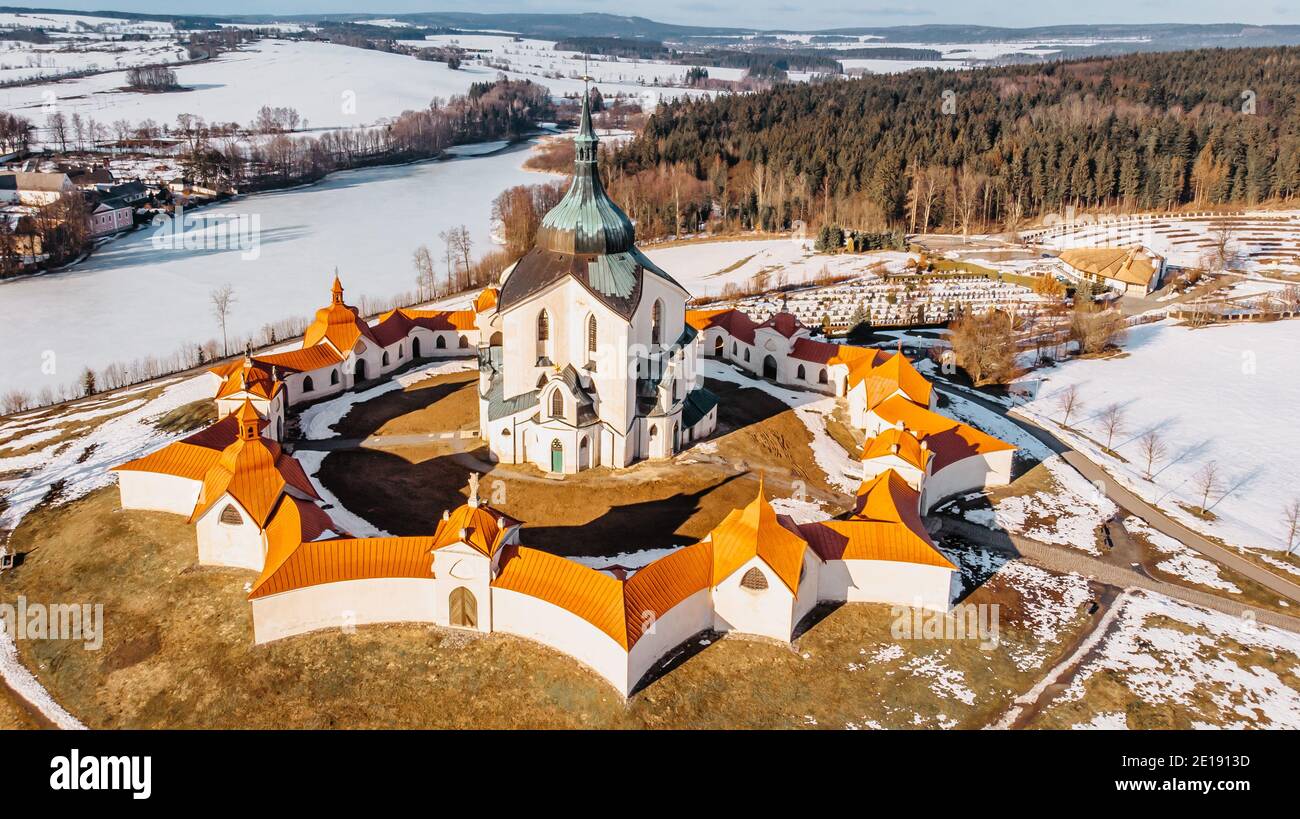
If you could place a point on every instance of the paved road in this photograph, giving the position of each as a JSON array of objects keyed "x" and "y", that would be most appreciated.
[
  {"x": 381, "y": 441},
  {"x": 1066, "y": 559},
  {"x": 1127, "y": 500}
]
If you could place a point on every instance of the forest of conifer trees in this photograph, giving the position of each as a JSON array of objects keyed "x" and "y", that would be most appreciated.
[{"x": 983, "y": 149}]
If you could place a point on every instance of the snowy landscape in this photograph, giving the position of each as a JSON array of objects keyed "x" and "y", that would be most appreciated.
[{"x": 905, "y": 417}]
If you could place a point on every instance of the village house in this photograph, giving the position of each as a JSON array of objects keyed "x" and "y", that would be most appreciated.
[
  {"x": 37, "y": 189},
  {"x": 1133, "y": 271}
]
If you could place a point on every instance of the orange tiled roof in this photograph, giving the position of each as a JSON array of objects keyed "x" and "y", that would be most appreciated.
[
  {"x": 886, "y": 526},
  {"x": 657, "y": 587},
  {"x": 481, "y": 524},
  {"x": 318, "y": 562},
  {"x": 949, "y": 440},
  {"x": 305, "y": 360},
  {"x": 900, "y": 442},
  {"x": 758, "y": 531},
  {"x": 339, "y": 324},
  {"x": 190, "y": 457},
  {"x": 255, "y": 472},
  {"x": 892, "y": 374},
  {"x": 293, "y": 523},
  {"x": 251, "y": 378},
  {"x": 594, "y": 596},
  {"x": 487, "y": 300}
]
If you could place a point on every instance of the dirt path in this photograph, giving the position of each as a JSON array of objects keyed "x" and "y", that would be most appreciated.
[
  {"x": 1056, "y": 681},
  {"x": 1065, "y": 559}
]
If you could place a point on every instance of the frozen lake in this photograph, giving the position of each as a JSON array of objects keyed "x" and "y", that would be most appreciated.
[{"x": 132, "y": 299}]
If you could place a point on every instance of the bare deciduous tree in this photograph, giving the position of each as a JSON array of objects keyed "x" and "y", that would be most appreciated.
[
  {"x": 223, "y": 298},
  {"x": 1112, "y": 420},
  {"x": 1206, "y": 482},
  {"x": 1292, "y": 517},
  {"x": 1153, "y": 448},
  {"x": 1068, "y": 400},
  {"x": 425, "y": 277}
]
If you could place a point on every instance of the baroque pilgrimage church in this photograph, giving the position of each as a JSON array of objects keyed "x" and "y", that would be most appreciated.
[
  {"x": 587, "y": 356},
  {"x": 590, "y": 359}
]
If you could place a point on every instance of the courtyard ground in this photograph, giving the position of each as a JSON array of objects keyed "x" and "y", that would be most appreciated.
[{"x": 403, "y": 489}]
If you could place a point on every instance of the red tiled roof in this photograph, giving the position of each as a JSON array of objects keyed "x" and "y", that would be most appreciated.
[
  {"x": 784, "y": 323},
  {"x": 736, "y": 324}
]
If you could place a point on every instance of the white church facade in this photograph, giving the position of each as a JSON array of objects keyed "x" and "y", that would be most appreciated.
[{"x": 589, "y": 360}]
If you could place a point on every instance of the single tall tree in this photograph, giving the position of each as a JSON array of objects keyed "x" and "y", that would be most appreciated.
[{"x": 223, "y": 298}]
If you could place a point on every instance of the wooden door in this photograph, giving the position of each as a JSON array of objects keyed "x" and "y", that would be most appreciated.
[{"x": 463, "y": 608}]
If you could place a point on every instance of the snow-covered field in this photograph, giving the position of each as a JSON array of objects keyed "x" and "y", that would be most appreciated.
[
  {"x": 1257, "y": 239},
  {"x": 1162, "y": 651},
  {"x": 1224, "y": 393},
  {"x": 28, "y": 61},
  {"x": 132, "y": 300},
  {"x": 706, "y": 268},
  {"x": 332, "y": 86},
  {"x": 82, "y": 23}
]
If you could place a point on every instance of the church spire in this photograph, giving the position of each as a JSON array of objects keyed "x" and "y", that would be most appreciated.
[
  {"x": 586, "y": 141},
  {"x": 337, "y": 289}
]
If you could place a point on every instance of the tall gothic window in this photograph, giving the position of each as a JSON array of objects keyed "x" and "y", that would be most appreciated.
[
  {"x": 557, "y": 404},
  {"x": 656, "y": 323},
  {"x": 591, "y": 337},
  {"x": 543, "y": 327}
]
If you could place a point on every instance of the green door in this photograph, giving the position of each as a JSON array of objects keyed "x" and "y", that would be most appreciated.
[{"x": 557, "y": 456}]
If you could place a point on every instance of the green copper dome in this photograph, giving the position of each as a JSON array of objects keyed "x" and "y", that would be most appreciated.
[{"x": 586, "y": 221}]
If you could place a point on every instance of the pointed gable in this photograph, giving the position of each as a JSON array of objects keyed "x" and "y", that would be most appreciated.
[
  {"x": 757, "y": 531},
  {"x": 339, "y": 324},
  {"x": 253, "y": 471},
  {"x": 885, "y": 526}
]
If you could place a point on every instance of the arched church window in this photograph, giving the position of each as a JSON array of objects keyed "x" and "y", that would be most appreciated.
[
  {"x": 656, "y": 322},
  {"x": 821, "y": 377},
  {"x": 754, "y": 580},
  {"x": 440, "y": 342},
  {"x": 334, "y": 377},
  {"x": 464, "y": 342},
  {"x": 307, "y": 385},
  {"x": 591, "y": 336},
  {"x": 385, "y": 358},
  {"x": 543, "y": 326},
  {"x": 654, "y": 433},
  {"x": 230, "y": 516},
  {"x": 801, "y": 374},
  {"x": 557, "y": 404}
]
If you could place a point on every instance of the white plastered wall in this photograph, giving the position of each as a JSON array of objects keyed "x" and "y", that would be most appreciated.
[{"x": 342, "y": 605}]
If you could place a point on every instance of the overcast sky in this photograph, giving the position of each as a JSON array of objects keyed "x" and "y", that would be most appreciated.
[{"x": 784, "y": 14}]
